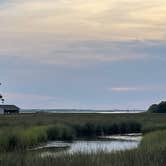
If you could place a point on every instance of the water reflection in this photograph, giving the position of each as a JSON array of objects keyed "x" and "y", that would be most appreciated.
[
  {"x": 107, "y": 144},
  {"x": 95, "y": 146}
]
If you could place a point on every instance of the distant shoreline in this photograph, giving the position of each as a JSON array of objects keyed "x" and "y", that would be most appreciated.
[{"x": 81, "y": 111}]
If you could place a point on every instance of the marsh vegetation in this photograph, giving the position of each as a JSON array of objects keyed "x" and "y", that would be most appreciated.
[
  {"x": 18, "y": 133},
  {"x": 150, "y": 153}
]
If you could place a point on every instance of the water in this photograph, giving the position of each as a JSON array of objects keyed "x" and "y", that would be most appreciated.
[
  {"x": 80, "y": 111},
  {"x": 106, "y": 146},
  {"x": 111, "y": 144}
]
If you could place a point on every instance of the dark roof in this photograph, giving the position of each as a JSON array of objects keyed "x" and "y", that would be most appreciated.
[{"x": 9, "y": 107}]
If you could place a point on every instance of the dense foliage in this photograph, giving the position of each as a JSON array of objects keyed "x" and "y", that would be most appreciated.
[{"x": 158, "y": 108}]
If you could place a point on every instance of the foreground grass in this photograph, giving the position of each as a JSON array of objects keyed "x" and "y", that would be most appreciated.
[
  {"x": 151, "y": 152},
  {"x": 154, "y": 141}
]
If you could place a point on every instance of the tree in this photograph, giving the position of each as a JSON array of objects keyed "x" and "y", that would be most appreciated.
[
  {"x": 162, "y": 107},
  {"x": 158, "y": 108},
  {"x": 1, "y": 97},
  {"x": 3, "y": 100},
  {"x": 153, "y": 108}
]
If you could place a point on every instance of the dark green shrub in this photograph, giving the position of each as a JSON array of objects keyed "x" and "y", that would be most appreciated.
[
  {"x": 158, "y": 108},
  {"x": 89, "y": 129},
  {"x": 99, "y": 130},
  {"x": 60, "y": 132},
  {"x": 68, "y": 133},
  {"x": 113, "y": 129},
  {"x": 54, "y": 133},
  {"x": 86, "y": 130}
]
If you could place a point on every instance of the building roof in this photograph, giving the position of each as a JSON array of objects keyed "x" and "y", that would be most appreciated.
[{"x": 9, "y": 107}]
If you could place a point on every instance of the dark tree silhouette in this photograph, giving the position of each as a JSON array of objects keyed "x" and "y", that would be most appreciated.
[
  {"x": 158, "y": 108},
  {"x": 3, "y": 100},
  {"x": 1, "y": 97}
]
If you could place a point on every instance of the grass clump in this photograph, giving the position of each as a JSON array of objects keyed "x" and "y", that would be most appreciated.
[
  {"x": 154, "y": 141},
  {"x": 22, "y": 138},
  {"x": 33, "y": 136},
  {"x": 93, "y": 130},
  {"x": 60, "y": 132}
]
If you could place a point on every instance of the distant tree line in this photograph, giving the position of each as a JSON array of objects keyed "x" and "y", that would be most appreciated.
[{"x": 158, "y": 108}]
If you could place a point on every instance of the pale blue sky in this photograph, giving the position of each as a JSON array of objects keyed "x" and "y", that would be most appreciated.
[{"x": 65, "y": 54}]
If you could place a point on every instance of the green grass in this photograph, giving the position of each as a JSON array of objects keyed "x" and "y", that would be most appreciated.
[
  {"x": 28, "y": 130},
  {"x": 154, "y": 141},
  {"x": 149, "y": 153},
  {"x": 21, "y": 138},
  {"x": 19, "y": 132},
  {"x": 149, "y": 121}
]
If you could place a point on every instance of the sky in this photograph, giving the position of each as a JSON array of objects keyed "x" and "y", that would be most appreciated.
[{"x": 83, "y": 54}]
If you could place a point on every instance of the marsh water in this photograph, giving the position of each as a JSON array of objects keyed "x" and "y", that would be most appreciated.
[{"x": 106, "y": 144}]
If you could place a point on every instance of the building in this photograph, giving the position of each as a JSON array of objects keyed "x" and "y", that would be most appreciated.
[{"x": 9, "y": 109}]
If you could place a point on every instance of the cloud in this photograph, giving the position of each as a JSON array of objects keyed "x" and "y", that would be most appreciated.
[
  {"x": 75, "y": 53},
  {"x": 78, "y": 19},
  {"x": 123, "y": 89},
  {"x": 60, "y": 32},
  {"x": 137, "y": 88}
]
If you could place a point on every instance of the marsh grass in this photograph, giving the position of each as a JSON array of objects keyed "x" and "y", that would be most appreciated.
[
  {"x": 154, "y": 141},
  {"x": 135, "y": 157},
  {"x": 149, "y": 153},
  {"x": 60, "y": 132},
  {"x": 21, "y": 138},
  {"x": 12, "y": 138},
  {"x": 19, "y": 132},
  {"x": 148, "y": 121}
]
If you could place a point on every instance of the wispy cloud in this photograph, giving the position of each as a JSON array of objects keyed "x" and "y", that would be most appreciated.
[
  {"x": 73, "y": 32},
  {"x": 79, "y": 52},
  {"x": 137, "y": 88},
  {"x": 123, "y": 89},
  {"x": 78, "y": 19}
]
